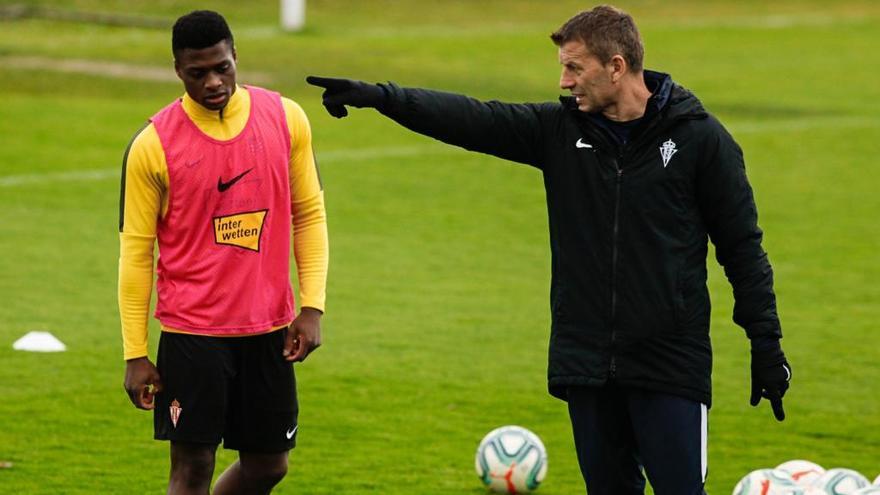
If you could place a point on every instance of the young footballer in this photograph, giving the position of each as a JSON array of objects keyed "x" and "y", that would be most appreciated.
[{"x": 216, "y": 180}]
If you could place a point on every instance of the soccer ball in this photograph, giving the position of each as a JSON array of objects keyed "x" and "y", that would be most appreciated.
[
  {"x": 841, "y": 481},
  {"x": 511, "y": 460},
  {"x": 868, "y": 490},
  {"x": 804, "y": 473},
  {"x": 767, "y": 482}
]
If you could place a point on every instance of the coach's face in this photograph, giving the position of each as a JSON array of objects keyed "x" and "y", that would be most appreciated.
[
  {"x": 589, "y": 80},
  {"x": 208, "y": 74}
]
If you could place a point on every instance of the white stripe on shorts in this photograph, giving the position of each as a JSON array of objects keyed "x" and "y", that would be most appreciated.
[{"x": 704, "y": 441}]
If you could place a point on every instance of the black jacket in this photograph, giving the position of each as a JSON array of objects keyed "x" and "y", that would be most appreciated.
[{"x": 629, "y": 229}]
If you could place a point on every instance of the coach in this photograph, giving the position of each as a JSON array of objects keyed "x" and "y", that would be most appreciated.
[{"x": 638, "y": 177}]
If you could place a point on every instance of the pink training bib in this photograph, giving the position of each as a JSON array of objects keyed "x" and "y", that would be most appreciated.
[{"x": 224, "y": 243}]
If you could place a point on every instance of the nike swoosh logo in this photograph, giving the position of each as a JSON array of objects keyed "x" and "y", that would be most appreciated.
[
  {"x": 581, "y": 144},
  {"x": 222, "y": 186},
  {"x": 290, "y": 433}
]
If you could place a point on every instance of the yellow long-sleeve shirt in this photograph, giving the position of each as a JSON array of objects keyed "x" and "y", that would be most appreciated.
[{"x": 144, "y": 200}]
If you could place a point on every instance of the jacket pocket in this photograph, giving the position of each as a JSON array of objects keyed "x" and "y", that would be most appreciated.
[{"x": 692, "y": 305}]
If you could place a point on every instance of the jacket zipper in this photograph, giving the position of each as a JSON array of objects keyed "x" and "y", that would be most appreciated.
[
  {"x": 615, "y": 232},
  {"x": 618, "y": 179}
]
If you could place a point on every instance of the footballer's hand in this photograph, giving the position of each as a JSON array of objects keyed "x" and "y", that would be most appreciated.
[
  {"x": 341, "y": 92},
  {"x": 771, "y": 375},
  {"x": 142, "y": 382},
  {"x": 303, "y": 336}
]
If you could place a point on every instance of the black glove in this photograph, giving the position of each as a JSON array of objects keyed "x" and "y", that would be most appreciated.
[
  {"x": 341, "y": 92},
  {"x": 770, "y": 375}
]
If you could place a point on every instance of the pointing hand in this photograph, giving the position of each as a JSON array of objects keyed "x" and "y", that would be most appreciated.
[{"x": 341, "y": 92}]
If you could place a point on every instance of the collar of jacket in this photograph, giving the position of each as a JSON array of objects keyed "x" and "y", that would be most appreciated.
[{"x": 660, "y": 85}]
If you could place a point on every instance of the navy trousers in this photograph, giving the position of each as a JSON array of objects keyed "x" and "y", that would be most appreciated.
[{"x": 621, "y": 434}]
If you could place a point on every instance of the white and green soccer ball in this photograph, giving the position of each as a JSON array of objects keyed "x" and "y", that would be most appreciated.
[
  {"x": 767, "y": 482},
  {"x": 511, "y": 459},
  {"x": 841, "y": 481},
  {"x": 804, "y": 473}
]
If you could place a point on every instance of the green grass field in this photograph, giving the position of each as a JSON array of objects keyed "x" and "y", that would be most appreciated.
[{"x": 437, "y": 319}]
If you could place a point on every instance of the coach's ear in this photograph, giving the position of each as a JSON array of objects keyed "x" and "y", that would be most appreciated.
[{"x": 616, "y": 68}]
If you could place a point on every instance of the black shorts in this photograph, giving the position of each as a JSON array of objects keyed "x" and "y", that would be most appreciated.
[{"x": 237, "y": 389}]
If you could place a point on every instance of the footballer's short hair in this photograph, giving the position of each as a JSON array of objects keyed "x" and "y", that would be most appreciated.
[
  {"x": 606, "y": 31},
  {"x": 199, "y": 29}
]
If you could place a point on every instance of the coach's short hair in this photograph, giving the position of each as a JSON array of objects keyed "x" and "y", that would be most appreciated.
[
  {"x": 606, "y": 31},
  {"x": 199, "y": 29}
]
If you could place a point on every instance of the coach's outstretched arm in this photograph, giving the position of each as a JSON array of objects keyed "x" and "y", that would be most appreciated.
[{"x": 507, "y": 130}]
